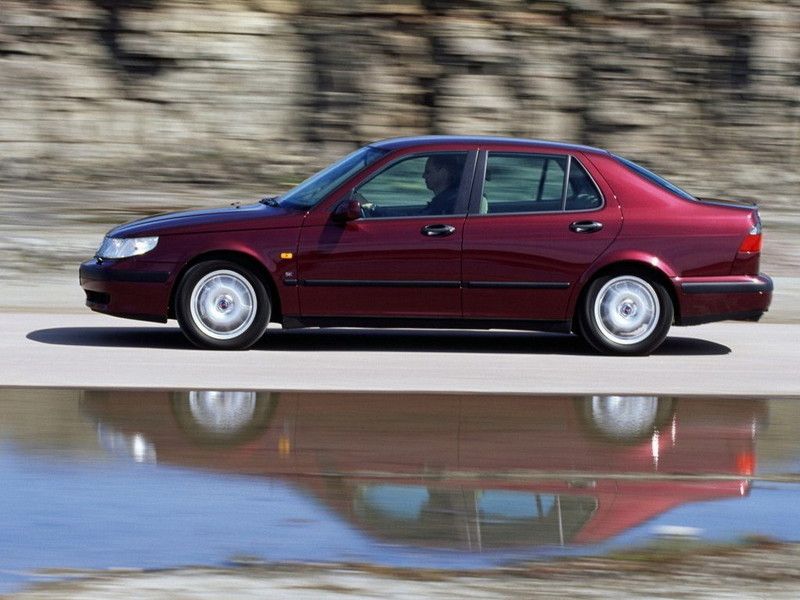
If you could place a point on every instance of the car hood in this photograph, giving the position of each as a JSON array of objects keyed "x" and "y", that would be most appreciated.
[{"x": 253, "y": 216}]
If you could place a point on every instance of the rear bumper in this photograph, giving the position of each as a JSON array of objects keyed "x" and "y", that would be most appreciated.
[
  {"x": 128, "y": 288},
  {"x": 707, "y": 299}
]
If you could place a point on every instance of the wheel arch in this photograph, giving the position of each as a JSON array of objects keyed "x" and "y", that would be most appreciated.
[
  {"x": 242, "y": 259},
  {"x": 631, "y": 267}
]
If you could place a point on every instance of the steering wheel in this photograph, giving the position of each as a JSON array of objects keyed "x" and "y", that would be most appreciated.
[{"x": 367, "y": 208}]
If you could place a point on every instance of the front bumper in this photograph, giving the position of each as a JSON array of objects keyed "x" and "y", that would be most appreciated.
[
  {"x": 130, "y": 288},
  {"x": 707, "y": 299}
]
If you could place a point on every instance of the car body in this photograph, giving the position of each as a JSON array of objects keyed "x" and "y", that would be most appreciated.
[
  {"x": 539, "y": 236},
  {"x": 426, "y": 470}
]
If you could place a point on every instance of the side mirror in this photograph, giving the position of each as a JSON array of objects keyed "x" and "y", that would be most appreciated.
[{"x": 349, "y": 210}]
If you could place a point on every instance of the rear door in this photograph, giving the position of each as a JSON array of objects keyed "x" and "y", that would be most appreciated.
[{"x": 537, "y": 221}]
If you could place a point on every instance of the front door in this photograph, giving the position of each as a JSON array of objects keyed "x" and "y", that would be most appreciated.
[{"x": 402, "y": 258}]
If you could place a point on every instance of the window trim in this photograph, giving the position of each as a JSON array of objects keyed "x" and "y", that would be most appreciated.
[
  {"x": 467, "y": 181},
  {"x": 479, "y": 181},
  {"x": 565, "y": 184}
]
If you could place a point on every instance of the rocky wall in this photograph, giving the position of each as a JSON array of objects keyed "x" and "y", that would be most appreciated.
[{"x": 98, "y": 92}]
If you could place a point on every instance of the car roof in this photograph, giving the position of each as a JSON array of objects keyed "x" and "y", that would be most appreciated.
[{"x": 421, "y": 140}]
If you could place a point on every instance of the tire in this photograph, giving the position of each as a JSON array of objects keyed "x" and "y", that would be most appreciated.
[
  {"x": 626, "y": 314},
  {"x": 221, "y": 305}
]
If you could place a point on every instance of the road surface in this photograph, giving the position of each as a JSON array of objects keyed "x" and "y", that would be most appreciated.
[{"x": 88, "y": 350}]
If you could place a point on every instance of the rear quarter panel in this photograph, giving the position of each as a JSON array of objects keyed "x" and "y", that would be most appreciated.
[{"x": 680, "y": 237}]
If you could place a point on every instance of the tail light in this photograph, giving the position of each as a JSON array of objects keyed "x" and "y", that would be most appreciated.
[
  {"x": 752, "y": 241},
  {"x": 748, "y": 256},
  {"x": 746, "y": 463}
]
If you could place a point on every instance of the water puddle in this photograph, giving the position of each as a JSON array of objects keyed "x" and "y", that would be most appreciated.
[{"x": 143, "y": 479}]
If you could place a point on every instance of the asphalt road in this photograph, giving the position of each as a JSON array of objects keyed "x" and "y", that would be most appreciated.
[{"x": 87, "y": 350}]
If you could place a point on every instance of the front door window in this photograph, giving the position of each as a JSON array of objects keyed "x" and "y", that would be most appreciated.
[{"x": 417, "y": 186}]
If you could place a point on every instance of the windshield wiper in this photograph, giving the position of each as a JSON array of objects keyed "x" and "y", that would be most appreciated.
[{"x": 270, "y": 201}]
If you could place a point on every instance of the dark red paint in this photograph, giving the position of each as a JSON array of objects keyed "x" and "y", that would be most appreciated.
[{"x": 376, "y": 272}]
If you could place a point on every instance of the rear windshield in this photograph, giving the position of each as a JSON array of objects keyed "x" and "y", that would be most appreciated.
[{"x": 653, "y": 178}]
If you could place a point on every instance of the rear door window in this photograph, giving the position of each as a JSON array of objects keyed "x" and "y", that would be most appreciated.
[
  {"x": 519, "y": 183},
  {"x": 535, "y": 183},
  {"x": 582, "y": 193}
]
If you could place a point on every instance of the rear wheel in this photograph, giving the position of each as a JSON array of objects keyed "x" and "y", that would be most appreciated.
[
  {"x": 626, "y": 314},
  {"x": 222, "y": 305}
]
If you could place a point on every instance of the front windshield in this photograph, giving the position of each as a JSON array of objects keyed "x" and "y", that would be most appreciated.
[
  {"x": 319, "y": 185},
  {"x": 657, "y": 179}
]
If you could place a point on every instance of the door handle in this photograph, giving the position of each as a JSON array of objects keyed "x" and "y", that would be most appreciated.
[
  {"x": 585, "y": 226},
  {"x": 437, "y": 230}
]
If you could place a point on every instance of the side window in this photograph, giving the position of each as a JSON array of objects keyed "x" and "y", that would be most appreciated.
[
  {"x": 523, "y": 183},
  {"x": 582, "y": 194},
  {"x": 419, "y": 185}
]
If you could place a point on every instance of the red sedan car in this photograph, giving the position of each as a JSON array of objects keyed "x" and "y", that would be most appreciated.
[{"x": 469, "y": 232}]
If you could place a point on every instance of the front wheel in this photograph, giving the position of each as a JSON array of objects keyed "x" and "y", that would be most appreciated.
[
  {"x": 222, "y": 305},
  {"x": 626, "y": 314}
]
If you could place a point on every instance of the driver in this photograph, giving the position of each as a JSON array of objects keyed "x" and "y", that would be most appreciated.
[{"x": 442, "y": 175}]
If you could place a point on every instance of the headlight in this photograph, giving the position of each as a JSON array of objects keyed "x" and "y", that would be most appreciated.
[{"x": 126, "y": 247}]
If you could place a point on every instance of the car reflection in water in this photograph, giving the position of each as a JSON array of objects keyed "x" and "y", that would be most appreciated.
[{"x": 459, "y": 472}]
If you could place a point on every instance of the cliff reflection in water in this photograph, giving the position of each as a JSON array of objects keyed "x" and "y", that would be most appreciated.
[{"x": 464, "y": 472}]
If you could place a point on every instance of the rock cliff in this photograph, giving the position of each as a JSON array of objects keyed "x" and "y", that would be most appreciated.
[{"x": 101, "y": 91}]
